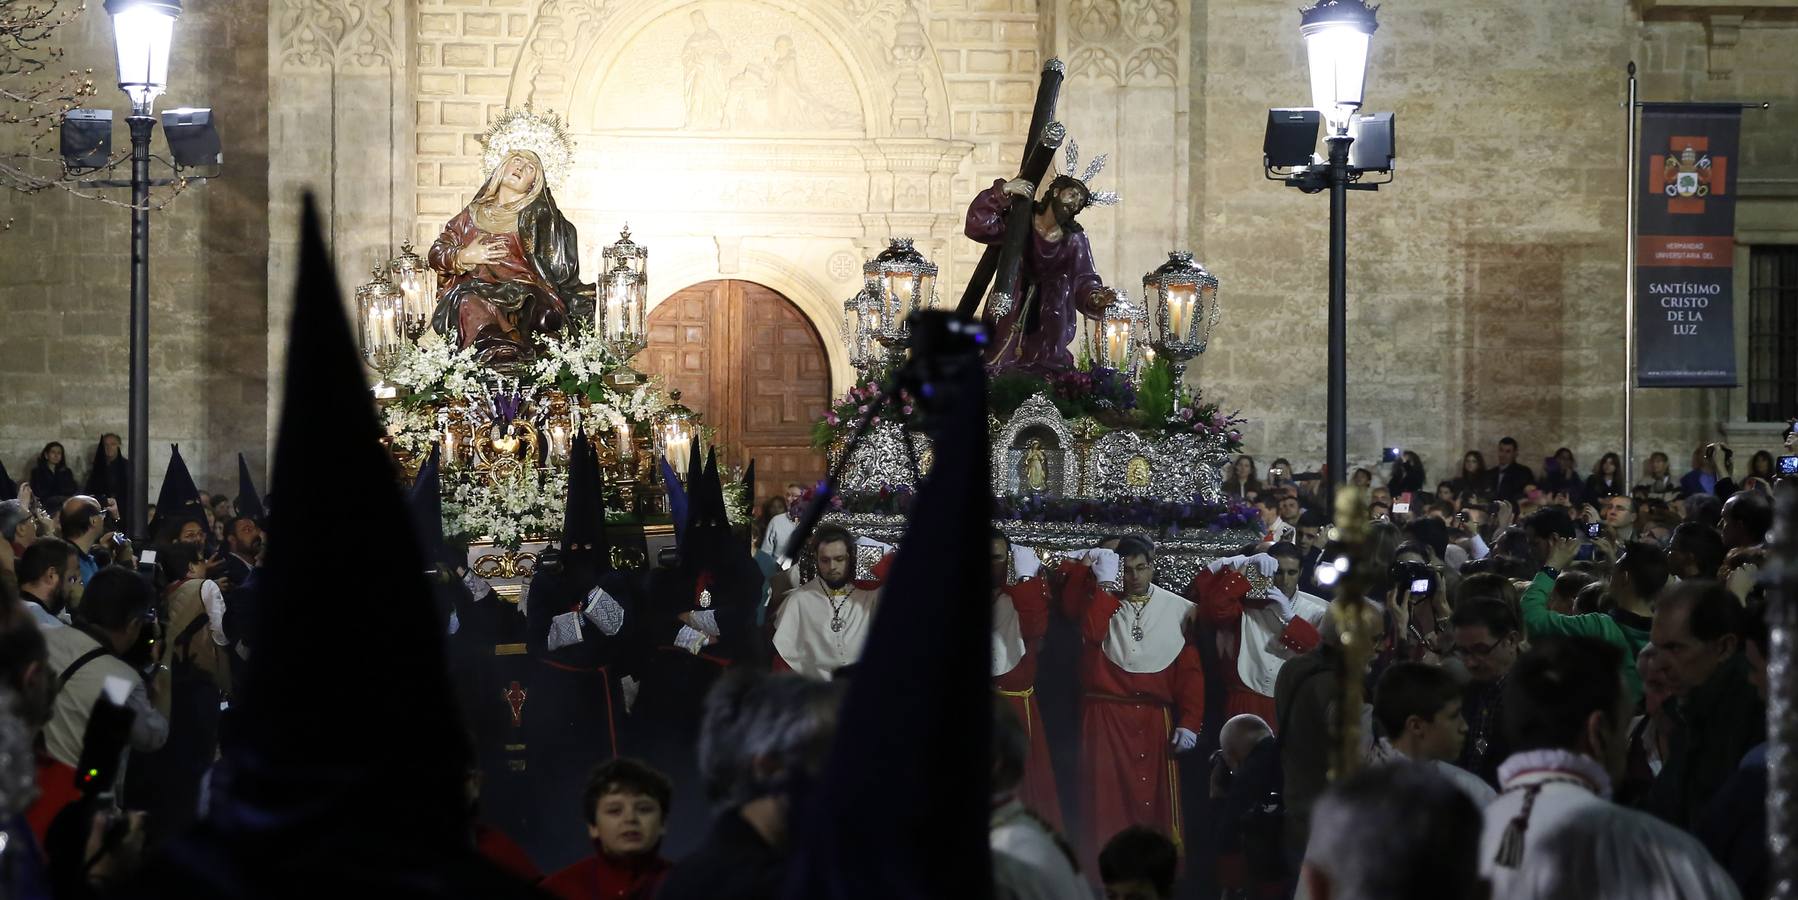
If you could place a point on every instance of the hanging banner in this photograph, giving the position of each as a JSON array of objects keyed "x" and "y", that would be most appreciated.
[{"x": 1685, "y": 246}]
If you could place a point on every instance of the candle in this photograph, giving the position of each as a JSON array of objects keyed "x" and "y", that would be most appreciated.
[
  {"x": 1114, "y": 345},
  {"x": 624, "y": 439},
  {"x": 449, "y": 445},
  {"x": 558, "y": 442},
  {"x": 1179, "y": 305},
  {"x": 675, "y": 449}
]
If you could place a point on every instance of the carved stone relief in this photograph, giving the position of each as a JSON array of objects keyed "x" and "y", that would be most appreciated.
[
  {"x": 1125, "y": 41},
  {"x": 335, "y": 34},
  {"x": 766, "y": 72}
]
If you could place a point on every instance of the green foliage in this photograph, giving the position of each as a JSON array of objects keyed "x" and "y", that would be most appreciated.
[
  {"x": 1005, "y": 393},
  {"x": 1155, "y": 397}
]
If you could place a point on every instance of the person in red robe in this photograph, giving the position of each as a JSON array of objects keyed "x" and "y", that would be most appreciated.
[
  {"x": 509, "y": 264},
  {"x": 1144, "y": 701},
  {"x": 1020, "y": 619},
  {"x": 626, "y": 804},
  {"x": 1257, "y": 624}
]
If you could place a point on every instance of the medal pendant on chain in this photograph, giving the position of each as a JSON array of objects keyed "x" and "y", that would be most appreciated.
[{"x": 1137, "y": 633}]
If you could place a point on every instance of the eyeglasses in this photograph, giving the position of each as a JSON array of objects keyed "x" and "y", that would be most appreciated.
[{"x": 1479, "y": 650}]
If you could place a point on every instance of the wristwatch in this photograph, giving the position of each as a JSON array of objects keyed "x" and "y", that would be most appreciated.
[{"x": 1551, "y": 571}]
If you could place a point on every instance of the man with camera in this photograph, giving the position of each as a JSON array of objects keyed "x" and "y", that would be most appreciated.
[
  {"x": 116, "y": 610},
  {"x": 82, "y": 522}
]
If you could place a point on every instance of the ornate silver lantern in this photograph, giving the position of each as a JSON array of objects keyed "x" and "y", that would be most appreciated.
[
  {"x": 675, "y": 434},
  {"x": 621, "y": 316},
  {"x": 380, "y": 320},
  {"x": 417, "y": 283},
  {"x": 1116, "y": 340},
  {"x": 1182, "y": 301},
  {"x": 861, "y": 329},
  {"x": 902, "y": 281}
]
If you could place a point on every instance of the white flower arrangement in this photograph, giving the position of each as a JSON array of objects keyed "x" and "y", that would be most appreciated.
[
  {"x": 577, "y": 355},
  {"x": 507, "y": 511},
  {"x": 410, "y": 428},
  {"x": 512, "y": 510},
  {"x": 435, "y": 368}
]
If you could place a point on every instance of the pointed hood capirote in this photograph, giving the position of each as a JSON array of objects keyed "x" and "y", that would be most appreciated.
[
  {"x": 249, "y": 501},
  {"x": 914, "y": 741},
  {"x": 341, "y": 774},
  {"x": 677, "y": 498},
  {"x": 178, "y": 500},
  {"x": 585, "y": 549},
  {"x": 425, "y": 500}
]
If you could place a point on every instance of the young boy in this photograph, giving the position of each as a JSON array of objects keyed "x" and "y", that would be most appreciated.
[
  {"x": 626, "y": 805},
  {"x": 1138, "y": 863}
]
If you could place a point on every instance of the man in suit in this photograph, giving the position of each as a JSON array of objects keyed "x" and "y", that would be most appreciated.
[{"x": 1510, "y": 476}]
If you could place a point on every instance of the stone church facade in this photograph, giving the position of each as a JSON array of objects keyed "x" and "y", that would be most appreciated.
[{"x": 781, "y": 142}]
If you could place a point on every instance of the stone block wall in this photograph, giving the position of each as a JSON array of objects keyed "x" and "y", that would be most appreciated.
[
  {"x": 65, "y": 300},
  {"x": 1485, "y": 284}
]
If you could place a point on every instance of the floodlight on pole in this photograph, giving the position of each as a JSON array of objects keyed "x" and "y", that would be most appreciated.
[{"x": 142, "y": 31}]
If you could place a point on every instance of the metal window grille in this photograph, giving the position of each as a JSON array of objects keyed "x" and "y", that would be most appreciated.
[{"x": 1772, "y": 333}]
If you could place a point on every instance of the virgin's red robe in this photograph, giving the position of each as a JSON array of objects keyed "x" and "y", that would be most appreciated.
[
  {"x": 1222, "y": 598},
  {"x": 1127, "y": 770},
  {"x": 1018, "y": 686},
  {"x": 476, "y": 312}
]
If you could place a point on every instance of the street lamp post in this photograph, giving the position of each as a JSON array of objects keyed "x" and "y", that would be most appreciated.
[
  {"x": 1337, "y": 36},
  {"x": 142, "y": 32}
]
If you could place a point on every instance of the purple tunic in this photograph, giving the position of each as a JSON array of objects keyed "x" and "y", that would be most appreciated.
[{"x": 1057, "y": 276}]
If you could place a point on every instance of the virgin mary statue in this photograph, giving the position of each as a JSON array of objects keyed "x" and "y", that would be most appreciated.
[{"x": 509, "y": 263}]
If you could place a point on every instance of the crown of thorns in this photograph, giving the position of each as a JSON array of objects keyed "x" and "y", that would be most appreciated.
[{"x": 1070, "y": 164}]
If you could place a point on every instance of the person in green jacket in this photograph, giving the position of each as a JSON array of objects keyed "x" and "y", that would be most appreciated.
[{"x": 1636, "y": 580}]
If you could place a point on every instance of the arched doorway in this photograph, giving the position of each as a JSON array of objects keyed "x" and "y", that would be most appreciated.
[{"x": 747, "y": 359}]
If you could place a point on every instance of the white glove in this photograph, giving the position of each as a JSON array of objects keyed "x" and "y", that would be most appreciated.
[
  {"x": 605, "y": 613},
  {"x": 629, "y": 686},
  {"x": 455, "y": 622},
  {"x": 691, "y": 640},
  {"x": 1184, "y": 740},
  {"x": 477, "y": 586},
  {"x": 565, "y": 630},
  {"x": 1221, "y": 563},
  {"x": 1025, "y": 560},
  {"x": 706, "y": 620},
  {"x": 1104, "y": 563}
]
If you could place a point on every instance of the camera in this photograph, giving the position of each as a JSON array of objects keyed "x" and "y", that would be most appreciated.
[
  {"x": 1788, "y": 465},
  {"x": 1392, "y": 454},
  {"x": 1419, "y": 579},
  {"x": 1400, "y": 507},
  {"x": 1592, "y": 530}
]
